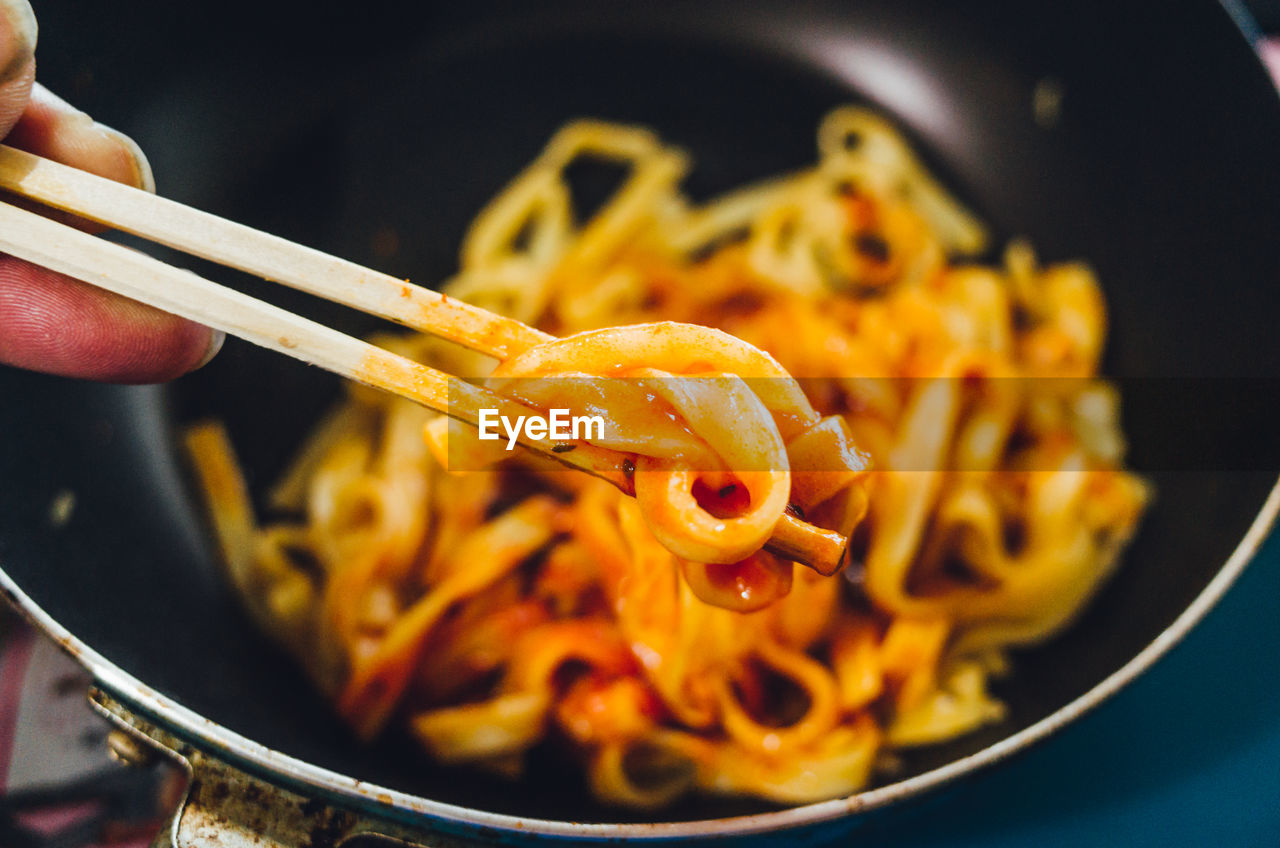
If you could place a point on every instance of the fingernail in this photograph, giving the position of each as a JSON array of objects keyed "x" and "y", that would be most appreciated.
[
  {"x": 216, "y": 338},
  {"x": 20, "y": 42},
  {"x": 144, "y": 178}
]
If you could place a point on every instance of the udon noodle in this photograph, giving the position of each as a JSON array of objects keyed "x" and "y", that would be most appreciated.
[{"x": 493, "y": 611}]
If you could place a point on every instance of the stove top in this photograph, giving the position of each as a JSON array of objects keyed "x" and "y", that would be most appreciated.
[{"x": 60, "y": 787}]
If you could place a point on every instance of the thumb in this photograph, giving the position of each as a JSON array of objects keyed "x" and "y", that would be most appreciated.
[
  {"x": 17, "y": 60},
  {"x": 52, "y": 323}
]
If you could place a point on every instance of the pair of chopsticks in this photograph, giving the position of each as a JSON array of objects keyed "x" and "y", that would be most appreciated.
[{"x": 110, "y": 266}]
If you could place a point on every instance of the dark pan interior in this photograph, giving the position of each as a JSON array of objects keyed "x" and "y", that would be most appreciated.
[{"x": 333, "y": 130}]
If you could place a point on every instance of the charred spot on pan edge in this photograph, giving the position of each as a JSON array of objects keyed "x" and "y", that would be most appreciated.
[
  {"x": 218, "y": 791},
  {"x": 328, "y": 832},
  {"x": 312, "y": 807}
]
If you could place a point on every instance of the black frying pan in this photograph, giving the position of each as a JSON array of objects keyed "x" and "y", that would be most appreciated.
[{"x": 330, "y": 127}]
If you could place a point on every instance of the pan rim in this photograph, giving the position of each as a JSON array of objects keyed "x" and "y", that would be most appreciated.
[{"x": 420, "y": 811}]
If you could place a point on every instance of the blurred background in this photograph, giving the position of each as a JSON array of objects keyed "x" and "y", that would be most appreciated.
[{"x": 1188, "y": 755}]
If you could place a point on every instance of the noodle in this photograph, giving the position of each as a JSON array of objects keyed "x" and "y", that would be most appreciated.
[{"x": 491, "y": 611}]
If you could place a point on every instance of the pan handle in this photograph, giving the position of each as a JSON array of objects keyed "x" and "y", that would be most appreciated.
[{"x": 226, "y": 807}]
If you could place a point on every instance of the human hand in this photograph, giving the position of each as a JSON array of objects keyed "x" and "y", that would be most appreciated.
[{"x": 50, "y": 322}]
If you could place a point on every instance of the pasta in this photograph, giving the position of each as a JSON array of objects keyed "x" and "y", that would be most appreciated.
[{"x": 491, "y": 611}]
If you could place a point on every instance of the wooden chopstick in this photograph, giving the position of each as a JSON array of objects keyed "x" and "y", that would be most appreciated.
[
  {"x": 67, "y": 250},
  {"x": 144, "y": 278},
  {"x": 234, "y": 245}
]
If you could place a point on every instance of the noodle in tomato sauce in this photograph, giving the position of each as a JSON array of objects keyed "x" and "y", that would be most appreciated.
[{"x": 490, "y": 609}]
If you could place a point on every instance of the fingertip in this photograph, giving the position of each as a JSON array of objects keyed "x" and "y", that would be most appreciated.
[
  {"x": 17, "y": 60},
  {"x": 52, "y": 128},
  {"x": 134, "y": 167},
  {"x": 18, "y": 34},
  {"x": 56, "y": 325},
  {"x": 216, "y": 339},
  {"x": 127, "y": 342},
  {"x": 157, "y": 348}
]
